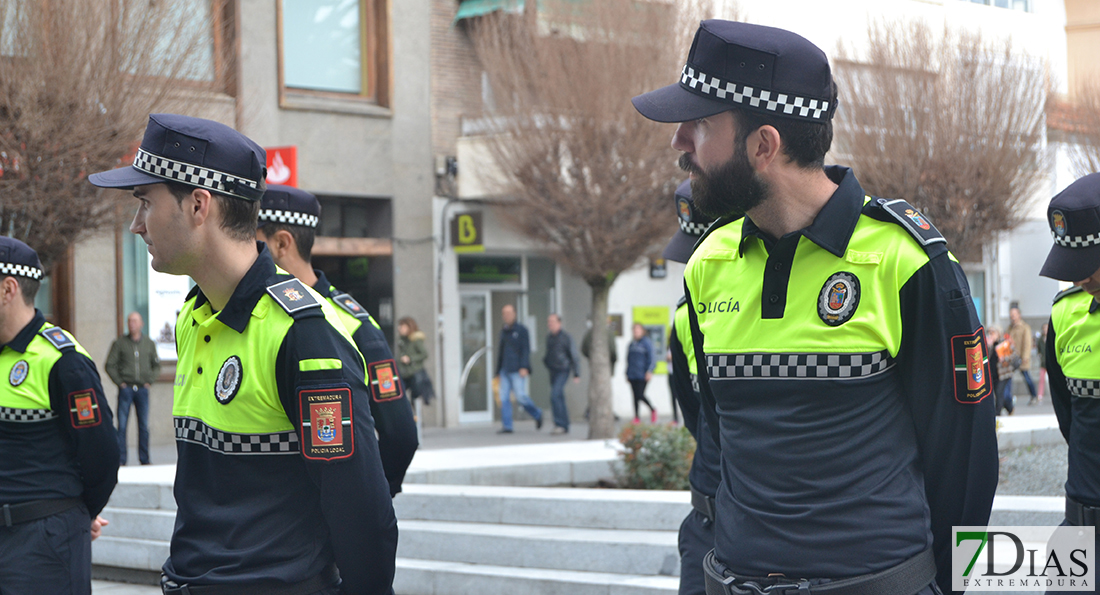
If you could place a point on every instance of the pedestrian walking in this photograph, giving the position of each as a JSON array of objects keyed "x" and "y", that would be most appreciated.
[
  {"x": 279, "y": 485},
  {"x": 411, "y": 355},
  {"x": 561, "y": 360},
  {"x": 513, "y": 369},
  {"x": 133, "y": 366},
  {"x": 640, "y": 362},
  {"x": 60, "y": 452},
  {"x": 287, "y": 223},
  {"x": 842, "y": 361},
  {"x": 1023, "y": 340}
]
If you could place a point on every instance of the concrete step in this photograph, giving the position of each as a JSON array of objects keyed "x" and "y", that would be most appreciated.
[
  {"x": 126, "y": 552},
  {"x": 145, "y": 487},
  {"x": 555, "y": 548},
  {"x": 580, "y": 462},
  {"x": 424, "y": 577},
  {"x": 645, "y": 510},
  {"x": 139, "y": 523}
]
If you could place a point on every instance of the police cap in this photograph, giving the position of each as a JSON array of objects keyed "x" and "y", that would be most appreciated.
[
  {"x": 751, "y": 67},
  {"x": 1074, "y": 218},
  {"x": 195, "y": 152},
  {"x": 692, "y": 225},
  {"x": 19, "y": 260},
  {"x": 290, "y": 206}
]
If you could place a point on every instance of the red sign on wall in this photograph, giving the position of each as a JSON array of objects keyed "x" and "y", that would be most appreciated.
[{"x": 282, "y": 165}]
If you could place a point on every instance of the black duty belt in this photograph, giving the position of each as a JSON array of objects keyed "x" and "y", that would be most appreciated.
[
  {"x": 703, "y": 503},
  {"x": 1080, "y": 515},
  {"x": 904, "y": 579},
  {"x": 328, "y": 577},
  {"x": 25, "y": 512}
]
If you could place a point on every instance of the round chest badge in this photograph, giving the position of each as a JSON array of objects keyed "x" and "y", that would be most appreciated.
[
  {"x": 19, "y": 372},
  {"x": 229, "y": 380},
  {"x": 1058, "y": 222},
  {"x": 839, "y": 299}
]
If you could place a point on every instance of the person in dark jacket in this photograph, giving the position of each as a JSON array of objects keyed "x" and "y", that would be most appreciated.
[
  {"x": 561, "y": 358},
  {"x": 640, "y": 361},
  {"x": 133, "y": 365},
  {"x": 513, "y": 368}
]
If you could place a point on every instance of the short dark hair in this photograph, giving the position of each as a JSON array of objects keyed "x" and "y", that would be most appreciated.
[
  {"x": 805, "y": 143},
  {"x": 28, "y": 287},
  {"x": 303, "y": 236},
  {"x": 239, "y": 216}
]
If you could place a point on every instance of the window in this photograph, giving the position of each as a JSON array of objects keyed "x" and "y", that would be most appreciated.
[
  {"x": 334, "y": 48},
  {"x": 1022, "y": 5}
]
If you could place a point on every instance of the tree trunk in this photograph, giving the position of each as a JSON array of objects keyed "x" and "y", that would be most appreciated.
[{"x": 601, "y": 418}]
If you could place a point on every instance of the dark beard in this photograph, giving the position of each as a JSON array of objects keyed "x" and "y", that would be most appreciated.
[{"x": 728, "y": 191}]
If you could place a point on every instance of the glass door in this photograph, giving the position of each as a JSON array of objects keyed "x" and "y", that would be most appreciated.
[{"x": 475, "y": 384}]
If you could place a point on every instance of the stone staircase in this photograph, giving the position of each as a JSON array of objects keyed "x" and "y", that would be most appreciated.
[{"x": 479, "y": 540}]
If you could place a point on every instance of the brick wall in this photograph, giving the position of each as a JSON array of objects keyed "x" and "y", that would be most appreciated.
[{"x": 456, "y": 77}]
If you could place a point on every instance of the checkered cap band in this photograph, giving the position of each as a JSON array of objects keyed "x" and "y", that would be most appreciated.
[
  {"x": 20, "y": 270},
  {"x": 780, "y": 103},
  {"x": 196, "y": 175},
  {"x": 289, "y": 217},
  {"x": 25, "y": 415},
  {"x": 693, "y": 229},
  {"x": 189, "y": 429},
  {"x": 1084, "y": 388},
  {"x": 807, "y": 366},
  {"x": 1077, "y": 241}
]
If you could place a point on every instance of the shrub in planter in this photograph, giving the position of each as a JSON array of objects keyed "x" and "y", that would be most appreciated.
[{"x": 655, "y": 457}]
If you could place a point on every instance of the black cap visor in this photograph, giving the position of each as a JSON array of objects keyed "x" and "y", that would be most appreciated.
[
  {"x": 673, "y": 104},
  {"x": 124, "y": 177},
  {"x": 680, "y": 247},
  {"x": 1071, "y": 264}
]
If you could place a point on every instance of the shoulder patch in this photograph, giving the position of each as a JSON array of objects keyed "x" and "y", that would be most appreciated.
[
  {"x": 912, "y": 220},
  {"x": 1066, "y": 292},
  {"x": 348, "y": 303},
  {"x": 383, "y": 380},
  {"x": 57, "y": 337},
  {"x": 293, "y": 296},
  {"x": 327, "y": 428},
  {"x": 84, "y": 409}
]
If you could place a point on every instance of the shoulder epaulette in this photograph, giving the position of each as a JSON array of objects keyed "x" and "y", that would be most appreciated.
[
  {"x": 57, "y": 338},
  {"x": 906, "y": 215},
  {"x": 1065, "y": 292},
  {"x": 348, "y": 303},
  {"x": 682, "y": 302},
  {"x": 293, "y": 296}
]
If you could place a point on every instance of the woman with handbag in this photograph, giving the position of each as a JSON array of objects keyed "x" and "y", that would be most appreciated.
[{"x": 411, "y": 354}]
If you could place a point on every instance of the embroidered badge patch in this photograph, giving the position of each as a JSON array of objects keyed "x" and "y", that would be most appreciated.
[
  {"x": 1058, "y": 223},
  {"x": 326, "y": 423},
  {"x": 913, "y": 220},
  {"x": 19, "y": 372},
  {"x": 685, "y": 209},
  {"x": 292, "y": 295},
  {"x": 839, "y": 299},
  {"x": 971, "y": 363},
  {"x": 83, "y": 409},
  {"x": 383, "y": 380},
  {"x": 349, "y": 304},
  {"x": 57, "y": 337},
  {"x": 229, "y": 380},
  {"x": 918, "y": 219}
]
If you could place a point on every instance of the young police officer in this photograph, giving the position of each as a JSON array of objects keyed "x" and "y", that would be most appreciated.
[
  {"x": 1073, "y": 352},
  {"x": 59, "y": 461},
  {"x": 697, "y": 530},
  {"x": 279, "y": 487},
  {"x": 288, "y": 217},
  {"x": 846, "y": 363}
]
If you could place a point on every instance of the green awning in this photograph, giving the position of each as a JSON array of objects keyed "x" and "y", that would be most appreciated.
[{"x": 477, "y": 8}]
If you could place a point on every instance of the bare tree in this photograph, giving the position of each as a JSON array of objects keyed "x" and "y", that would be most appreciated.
[
  {"x": 1079, "y": 124},
  {"x": 950, "y": 122},
  {"x": 586, "y": 176},
  {"x": 78, "y": 79}
]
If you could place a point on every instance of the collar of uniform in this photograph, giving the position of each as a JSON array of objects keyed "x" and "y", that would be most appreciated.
[
  {"x": 1094, "y": 306},
  {"x": 322, "y": 285},
  {"x": 833, "y": 226},
  {"x": 23, "y": 339},
  {"x": 250, "y": 289}
]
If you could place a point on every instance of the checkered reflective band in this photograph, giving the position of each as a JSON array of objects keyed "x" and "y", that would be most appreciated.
[
  {"x": 289, "y": 217},
  {"x": 1084, "y": 388},
  {"x": 189, "y": 429},
  {"x": 25, "y": 415},
  {"x": 808, "y": 366},
  {"x": 693, "y": 229},
  {"x": 196, "y": 175},
  {"x": 780, "y": 103},
  {"x": 1077, "y": 241},
  {"x": 20, "y": 270}
]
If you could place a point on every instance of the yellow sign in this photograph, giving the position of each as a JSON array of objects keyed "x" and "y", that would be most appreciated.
[
  {"x": 467, "y": 233},
  {"x": 655, "y": 319}
]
